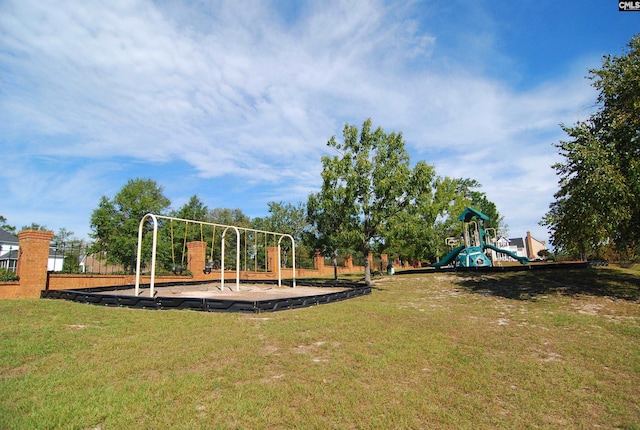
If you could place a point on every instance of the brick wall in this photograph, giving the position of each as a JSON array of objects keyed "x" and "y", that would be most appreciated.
[
  {"x": 34, "y": 254},
  {"x": 65, "y": 281}
]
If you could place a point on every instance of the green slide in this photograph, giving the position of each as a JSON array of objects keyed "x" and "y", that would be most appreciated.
[
  {"x": 522, "y": 260},
  {"x": 449, "y": 257}
]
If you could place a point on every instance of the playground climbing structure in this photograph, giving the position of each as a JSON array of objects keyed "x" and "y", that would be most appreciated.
[{"x": 477, "y": 241}]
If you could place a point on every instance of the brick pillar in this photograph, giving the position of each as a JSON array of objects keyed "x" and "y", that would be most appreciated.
[
  {"x": 318, "y": 260},
  {"x": 348, "y": 262},
  {"x": 196, "y": 258},
  {"x": 384, "y": 262},
  {"x": 32, "y": 261},
  {"x": 272, "y": 259}
]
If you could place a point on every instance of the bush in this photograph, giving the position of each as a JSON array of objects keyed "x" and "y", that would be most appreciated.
[{"x": 8, "y": 276}]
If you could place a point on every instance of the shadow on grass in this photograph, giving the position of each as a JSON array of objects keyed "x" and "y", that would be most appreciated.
[{"x": 527, "y": 285}]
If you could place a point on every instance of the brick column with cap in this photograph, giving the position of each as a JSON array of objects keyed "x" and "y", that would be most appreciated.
[
  {"x": 272, "y": 259},
  {"x": 384, "y": 262},
  {"x": 196, "y": 259},
  {"x": 32, "y": 261}
]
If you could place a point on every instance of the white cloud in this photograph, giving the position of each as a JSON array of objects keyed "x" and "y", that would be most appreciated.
[{"x": 239, "y": 89}]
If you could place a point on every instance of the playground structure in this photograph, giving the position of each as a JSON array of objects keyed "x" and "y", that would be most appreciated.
[
  {"x": 477, "y": 239},
  {"x": 250, "y": 235}
]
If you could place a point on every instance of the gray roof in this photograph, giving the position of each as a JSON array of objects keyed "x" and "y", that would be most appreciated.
[
  {"x": 6, "y": 237},
  {"x": 11, "y": 255},
  {"x": 518, "y": 242}
]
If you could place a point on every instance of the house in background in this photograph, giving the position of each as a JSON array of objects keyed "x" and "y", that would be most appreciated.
[
  {"x": 55, "y": 263},
  {"x": 8, "y": 251},
  {"x": 534, "y": 246},
  {"x": 515, "y": 245},
  {"x": 522, "y": 247},
  {"x": 98, "y": 263}
]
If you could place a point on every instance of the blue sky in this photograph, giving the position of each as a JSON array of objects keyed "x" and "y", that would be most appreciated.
[{"x": 235, "y": 100}]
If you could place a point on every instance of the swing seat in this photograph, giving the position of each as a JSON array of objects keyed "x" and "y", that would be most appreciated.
[
  {"x": 209, "y": 267},
  {"x": 177, "y": 270}
]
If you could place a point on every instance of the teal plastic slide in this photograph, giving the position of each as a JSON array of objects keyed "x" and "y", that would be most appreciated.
[
  {"x": 522, "y": 260},
  {"x": 447, "y": 259}
]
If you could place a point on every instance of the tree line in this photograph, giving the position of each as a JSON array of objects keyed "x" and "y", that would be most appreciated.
[{"x": 371, "y": 200}]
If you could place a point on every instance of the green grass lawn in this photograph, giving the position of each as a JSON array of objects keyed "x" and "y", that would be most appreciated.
[{"x": 535, "y": 349}]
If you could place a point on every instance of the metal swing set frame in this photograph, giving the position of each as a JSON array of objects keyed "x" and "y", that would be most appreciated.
[{"x": 154, "y": 218}]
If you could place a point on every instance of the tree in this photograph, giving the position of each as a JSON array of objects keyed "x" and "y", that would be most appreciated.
[
  {"x": 64, "y": 235},
  {"x": 325, "y": 214},
  {"x": 72, "y": 249},
  {"x": 420, "y": 232},
  {"x": 115, "y": 222},
  {"x": 227, "y": 216},
  {"x": 289, "y": 219},
  {"x": 599, "y": 180},
  {"x": 467, "y": 194},
  {"x": 6, "y": 227},
  {"x": 545, "y": 254},
  {"x": 365, "y": 188},
  {"x": 285, "y": 218},
  {"x": 171, "y": 251},
  {"x": 194, "y": 209},
  {"x": 414, "y": 234},
  {"x": 235, "y": 217},
  {"x": 35, "y": 226}
]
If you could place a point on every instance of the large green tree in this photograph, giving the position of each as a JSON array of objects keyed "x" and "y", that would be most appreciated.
[
  {"x": 228, "y": 216},
  {"x": 194, "y": 209},
  {"x": 285, "y": 218},
  {"x": 115, "y": 222},
  {"x": 599, "y": 179},
  {"x": 365, "y": 188}
]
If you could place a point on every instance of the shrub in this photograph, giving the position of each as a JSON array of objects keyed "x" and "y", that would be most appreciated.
[{"x": 8, "y": 276}]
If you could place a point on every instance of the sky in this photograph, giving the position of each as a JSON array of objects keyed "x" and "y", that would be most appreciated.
[{"x": 234, "y": 101}]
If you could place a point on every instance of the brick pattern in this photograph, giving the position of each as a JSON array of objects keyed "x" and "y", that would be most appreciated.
[
  {"x": 318, "y": 261},
  {"x": 197, "y": 258},
  {"x": 272, "y": 258},
  {"x": 32, "y": 261},
  {"x": 34, "y": 254}
]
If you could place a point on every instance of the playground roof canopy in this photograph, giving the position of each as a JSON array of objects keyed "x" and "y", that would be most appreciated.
[{"x": 469, "y": 213}]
